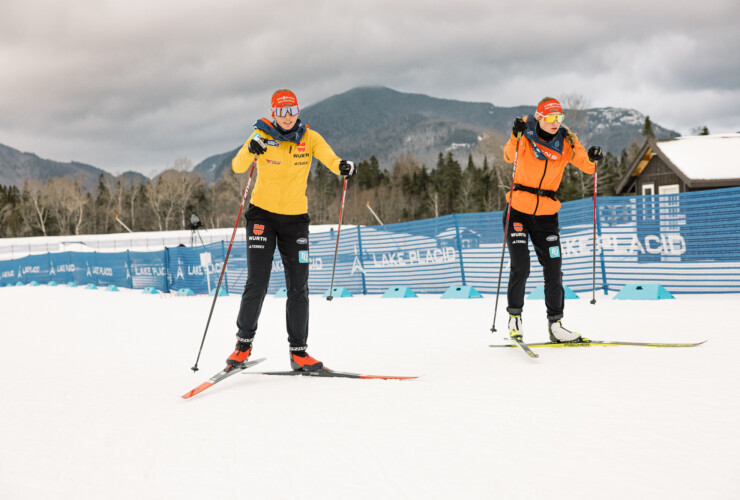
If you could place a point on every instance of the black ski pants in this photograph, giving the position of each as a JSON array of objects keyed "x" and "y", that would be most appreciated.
[
  {"x": 290, "y": 233},
  {"x": 544, "y": 233}
]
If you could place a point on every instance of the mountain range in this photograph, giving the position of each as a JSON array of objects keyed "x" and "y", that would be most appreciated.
[
  {"x": 16, "y": 167},
  {"x": 386, "y": 123},
  {"x": 380, "y": 121}
]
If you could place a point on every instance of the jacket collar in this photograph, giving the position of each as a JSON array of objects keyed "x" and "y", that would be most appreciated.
[
  {"x": 551, "y": 150},
  {"x": 294, "y": 135}
]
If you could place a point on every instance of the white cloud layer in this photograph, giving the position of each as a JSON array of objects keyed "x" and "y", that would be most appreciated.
[{"x": 132, "y": 85}]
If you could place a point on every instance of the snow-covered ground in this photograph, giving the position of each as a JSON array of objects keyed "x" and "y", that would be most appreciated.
[{"x": 92, "y": 379}]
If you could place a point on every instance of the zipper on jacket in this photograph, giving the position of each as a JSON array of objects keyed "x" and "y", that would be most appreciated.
[{"x": 536, "y": 206}]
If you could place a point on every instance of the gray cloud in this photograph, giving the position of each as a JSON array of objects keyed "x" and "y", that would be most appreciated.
[{"x": 133, "y": 85}]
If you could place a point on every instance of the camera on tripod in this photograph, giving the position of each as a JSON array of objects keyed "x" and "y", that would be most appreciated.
[{"x": 195, "y": 223}]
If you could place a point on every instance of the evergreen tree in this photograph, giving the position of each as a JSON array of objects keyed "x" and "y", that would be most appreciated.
[
  {"x": 446, "y": 181},
  {"x": 369, "y": 174},
  {"x": 11, "y": 221},
  {"x": 99, "y": 219},
  {"x": 647, "y": 129},
  {"x": 608, "y": 176}
]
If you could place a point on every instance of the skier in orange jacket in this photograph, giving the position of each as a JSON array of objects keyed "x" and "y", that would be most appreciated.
[{"x": 543, "y": 147}]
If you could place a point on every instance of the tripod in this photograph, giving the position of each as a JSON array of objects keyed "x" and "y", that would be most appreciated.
[{"x": 195, "y": 224}]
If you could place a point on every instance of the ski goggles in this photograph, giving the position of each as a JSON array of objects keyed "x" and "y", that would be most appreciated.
[
  {"x": 285, "y": 111},
  {"x": 559, "y": 117}
]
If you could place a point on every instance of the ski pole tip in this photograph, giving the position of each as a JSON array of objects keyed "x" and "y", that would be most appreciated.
[
  {"x": 329, "y": 298},
  {"x": 593, "y": 301},
  {"x": 194, "y": 368}
]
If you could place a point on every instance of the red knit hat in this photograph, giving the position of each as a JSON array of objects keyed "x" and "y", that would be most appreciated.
[
  {"x": 283, "y": 99},
  {"x": 548, "y": 108}
]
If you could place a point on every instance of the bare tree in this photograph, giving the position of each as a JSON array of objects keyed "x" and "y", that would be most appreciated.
[
  {"x": 185, "y": 185},
  {"x": 575, "y": 106},
  {"x": 34, "y": 201},
  {"x": 66, "y": 203}
]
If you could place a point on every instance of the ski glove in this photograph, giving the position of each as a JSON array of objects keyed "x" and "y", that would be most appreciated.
[
  {"x": 256, "y": 146},
  {"x": 347, "y": 168},
  {"x": 519, "y": 127},
  {"x": 595, "y": 154}
]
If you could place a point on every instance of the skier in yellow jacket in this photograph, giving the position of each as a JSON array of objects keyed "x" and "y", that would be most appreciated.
[{"x": 278, "y": 214}]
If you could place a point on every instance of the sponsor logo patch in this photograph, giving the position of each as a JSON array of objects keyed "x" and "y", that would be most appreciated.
[
  {"x": 303, "y": 256},
  {"x": 258, "y": 229},
  {"x": 270, "y": 142},
  {"x": 552, "y": 238},
  {"x": 301, "y": 147},
  {"x": 273, "y": 162},
  {"x": 302, "y": 241},
  {"x": 518, "y": 227},
  {"x": 554, "y": 252}
]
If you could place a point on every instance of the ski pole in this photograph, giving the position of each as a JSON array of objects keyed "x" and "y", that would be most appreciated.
[
  {"x": 226, "y": 260},
  {"x": 336, "y": 247},
  {"x": 506, "y": 231},
  {"x": 593, "y": 288}
]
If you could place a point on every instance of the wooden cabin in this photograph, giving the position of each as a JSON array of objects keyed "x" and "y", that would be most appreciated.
[{"x": 684, "y": 164}]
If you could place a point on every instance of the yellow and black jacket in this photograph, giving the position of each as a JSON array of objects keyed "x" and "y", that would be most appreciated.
[{"x": 282, "y": 172}]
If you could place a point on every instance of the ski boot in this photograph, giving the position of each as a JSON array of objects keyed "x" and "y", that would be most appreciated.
[
  {"x": 515, "y": 326},
  {"x": 560, "y": 334},
  {"x": 301, "y": 361},
  {"x": 241, "y": 353}
]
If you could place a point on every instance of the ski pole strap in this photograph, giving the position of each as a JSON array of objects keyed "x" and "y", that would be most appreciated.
[{"x": 538, "y": 192}]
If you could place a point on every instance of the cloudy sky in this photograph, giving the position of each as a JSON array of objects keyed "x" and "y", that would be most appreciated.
[{"x": 134, "y": 85}]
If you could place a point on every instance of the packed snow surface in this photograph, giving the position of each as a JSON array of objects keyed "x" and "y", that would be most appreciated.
[{"x": 92, "y": 379}]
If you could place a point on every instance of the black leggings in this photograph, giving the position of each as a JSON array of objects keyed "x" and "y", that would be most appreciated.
[
  {"x": 544, "y": 232},
  {"x": 290, "y": 233}
]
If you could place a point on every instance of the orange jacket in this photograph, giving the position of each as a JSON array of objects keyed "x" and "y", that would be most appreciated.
[{"x": 542, "y": 174}]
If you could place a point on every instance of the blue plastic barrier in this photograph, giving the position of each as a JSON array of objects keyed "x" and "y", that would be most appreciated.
[
  {"x": 462, "y": 292},
  {"x": 338, "y": 292},
  {"x": 399, "y": 292},
  {"x": 651, "y": 291},
  {"x": 539, "y": 293}
]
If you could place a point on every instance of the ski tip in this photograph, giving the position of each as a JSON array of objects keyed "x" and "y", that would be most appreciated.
[{"x": 202, "y": 387}]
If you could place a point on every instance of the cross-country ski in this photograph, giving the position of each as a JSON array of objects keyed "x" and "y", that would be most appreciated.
[
  {"x": 603, "y": 343},
  {"x": 223, "y": 374}
]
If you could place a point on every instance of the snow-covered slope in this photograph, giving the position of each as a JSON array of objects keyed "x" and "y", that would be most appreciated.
[{"x": 92, "y": 379}]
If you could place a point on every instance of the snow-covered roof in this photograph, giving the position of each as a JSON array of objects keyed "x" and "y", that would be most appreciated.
[{"x": 705, "y": 156}]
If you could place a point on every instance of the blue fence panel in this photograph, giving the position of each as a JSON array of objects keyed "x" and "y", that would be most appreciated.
[
  {"x": 421, "y": 255},
  {"x": 34, "y": 268},
  {"x": 8, "y": 274},
  {"x": 148, "y": 269},
  {"x": 61, "y": 269},
  {"x": 687, "y": 242},
  {"x": 196, "y": 268}
]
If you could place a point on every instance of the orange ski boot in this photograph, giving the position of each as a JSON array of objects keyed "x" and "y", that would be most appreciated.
[
  {"x": 241, "y": 353},
  {"x": 301, "y": 361}
]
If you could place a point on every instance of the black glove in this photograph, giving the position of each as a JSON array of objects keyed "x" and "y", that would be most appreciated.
[
  {"x": 256, "y": 146},
  {"x": 519, "y": 127},
  {"x": 347, "y": 168},
  {"x": 595, "y": 154}
]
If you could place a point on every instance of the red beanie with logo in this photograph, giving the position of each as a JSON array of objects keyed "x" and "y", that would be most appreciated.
[
  {"x": 547, "y": 108},
  {"x": 283, "y": 99}
]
